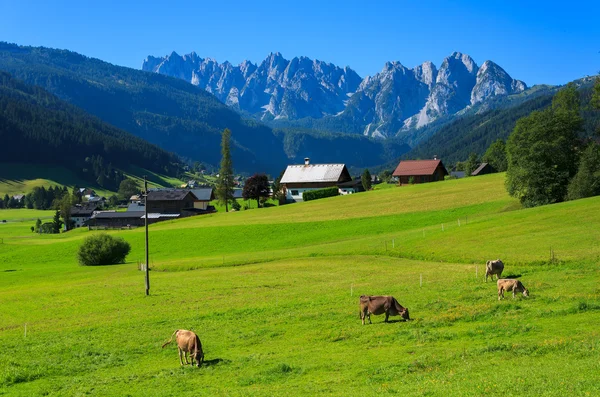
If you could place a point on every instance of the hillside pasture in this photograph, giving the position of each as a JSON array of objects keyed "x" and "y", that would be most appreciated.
[{"x": 273, "y": 294}]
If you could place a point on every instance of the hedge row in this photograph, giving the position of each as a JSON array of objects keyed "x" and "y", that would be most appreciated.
[{"x": 320, "y": 193}]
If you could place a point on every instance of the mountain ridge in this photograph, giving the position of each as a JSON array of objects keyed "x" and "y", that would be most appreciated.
[{"x": 390, "y": 103}]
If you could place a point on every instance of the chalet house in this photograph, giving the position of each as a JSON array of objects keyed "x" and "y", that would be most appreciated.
[
  {"x": 300, "y": 178},
  {"x": 204, "y": 196},
  {"x": 81, "y": 213},
  {"x": 18, "y": 197},
  {"x": 420, "y": 171},
  {"x": 484, "y": 168}
]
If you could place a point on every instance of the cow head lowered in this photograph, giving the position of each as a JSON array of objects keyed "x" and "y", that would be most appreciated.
[{"x": 380, "y": 305}]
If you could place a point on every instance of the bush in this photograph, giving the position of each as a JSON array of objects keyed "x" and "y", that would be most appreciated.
[
  {"x": 235, "y": 205},
  {"x": 320, "y": 193},
  {"x": 103, "y": 249}
]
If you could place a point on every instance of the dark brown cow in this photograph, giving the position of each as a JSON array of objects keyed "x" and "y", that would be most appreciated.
[
  {"x": 379, "y": 305},
  {"x": 188, "y": 342}
]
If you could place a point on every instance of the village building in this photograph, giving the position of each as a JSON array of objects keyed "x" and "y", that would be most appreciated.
[
  {"x": 300, "y": 178},
  {"x": 173, "y": 201},
  {"x": 81, "y": 213},
  {"x": 483, "y": 169},
  {"x": 204, "y": 196},
  {"x": 350, "y": 187},
  {"x": 420, "y": 171}
]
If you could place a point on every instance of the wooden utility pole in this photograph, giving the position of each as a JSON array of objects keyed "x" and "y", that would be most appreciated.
[{"x": 146, "y": 225}]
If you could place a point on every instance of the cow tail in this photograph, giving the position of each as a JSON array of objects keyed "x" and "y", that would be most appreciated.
[{"x": 170, "y": 340}]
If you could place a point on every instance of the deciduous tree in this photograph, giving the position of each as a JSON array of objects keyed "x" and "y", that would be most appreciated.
[
  {"x": 127, "y": 188},
  {"x": 542, "y": 151},
  {"x": 495, "y": 155},
  {"x": 256, "y": 187}
]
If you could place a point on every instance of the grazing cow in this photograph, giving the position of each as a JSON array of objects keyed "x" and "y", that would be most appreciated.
[
  {"x": 188, "y": 342},
  {"x": 379, "y": 305},
  {"x": 493, "y": 267},
  {"x": 508, "y": 284}
]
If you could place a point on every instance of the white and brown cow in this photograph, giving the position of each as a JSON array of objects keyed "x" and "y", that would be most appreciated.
[
  {"x": 493, "y": 267},
  {"x": 510, "y": 285},
  {"x": 379, "y": 305},
  {"x": 188, "y": 342}
]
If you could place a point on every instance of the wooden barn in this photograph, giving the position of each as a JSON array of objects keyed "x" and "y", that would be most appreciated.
[
  {"x": 420, "y": 171},
  {"x": 483, "y": 169},
  {"x": 300, "y": 178}
]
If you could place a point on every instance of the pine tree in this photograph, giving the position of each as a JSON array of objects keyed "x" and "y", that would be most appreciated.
[
  {"x": 224, "y": 189},
  {"x": 365, "y": 178},
  {"x": 56, "y": 222},
  {"x": 586, "y": 183}
]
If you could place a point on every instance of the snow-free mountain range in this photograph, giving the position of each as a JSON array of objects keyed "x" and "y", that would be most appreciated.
[{"x": 391, "y": 103}]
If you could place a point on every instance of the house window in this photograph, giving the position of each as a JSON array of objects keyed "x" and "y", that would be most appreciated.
[{"x": 294, "y": 192}]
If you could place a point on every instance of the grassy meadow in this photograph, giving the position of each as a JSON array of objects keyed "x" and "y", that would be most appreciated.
[{"x": 273, "y": 295}]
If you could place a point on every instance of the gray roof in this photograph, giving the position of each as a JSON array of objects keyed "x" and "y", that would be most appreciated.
[
  {"x": 237, "y": 193},
  {"x": 203, "y": 194},
  {"x": 302, "y": 173},
  {"x": 156, "y": 215},
  {"x": 135, "y": 207},
  {"x": 114, "y": 214},
  {"x": 458, "y": 174},
  {"x": 479, "y": 169},
  {"x": 168, "y": 194}
]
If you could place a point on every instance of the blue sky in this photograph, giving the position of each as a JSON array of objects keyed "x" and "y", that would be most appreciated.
[{"x": 535, "y": 41}]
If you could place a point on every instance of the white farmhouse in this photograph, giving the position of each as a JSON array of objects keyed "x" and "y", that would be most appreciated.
[{"x": 300, "y": 178}]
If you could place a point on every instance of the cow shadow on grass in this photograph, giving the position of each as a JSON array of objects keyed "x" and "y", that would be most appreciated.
[
  {"x": 512, "y": 276},
  {"x": 213, "y": 362}
]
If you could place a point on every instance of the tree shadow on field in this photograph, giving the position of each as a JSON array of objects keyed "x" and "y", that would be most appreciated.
[{"x": 512, "y": 276}]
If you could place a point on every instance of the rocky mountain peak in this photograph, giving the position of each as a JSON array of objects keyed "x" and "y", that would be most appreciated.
[{"x": 388, "y": 103}]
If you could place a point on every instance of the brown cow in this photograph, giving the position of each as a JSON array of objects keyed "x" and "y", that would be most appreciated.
[
  {"x": 508, "y": 284},
  {"x": 493, "y": 267},
  {"x": 379, "y": 305},
  {"x": 188, "y": 342}
]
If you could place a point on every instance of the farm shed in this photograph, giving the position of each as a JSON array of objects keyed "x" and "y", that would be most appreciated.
[
  {"x": 300, "y": 178},
  {"x": 204, "y": 196},
  {"x": 420, "y": 171},
  {"x": 170, "y": 201},
  {"x": 484, "y": 168}
]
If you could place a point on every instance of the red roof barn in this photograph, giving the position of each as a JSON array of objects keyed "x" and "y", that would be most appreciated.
[{"x": 421, "y": 171}]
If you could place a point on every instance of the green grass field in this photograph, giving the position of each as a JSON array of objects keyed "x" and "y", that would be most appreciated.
[
  {"x": 22, "y": 178},
  {"x": 273, "y": 294}
]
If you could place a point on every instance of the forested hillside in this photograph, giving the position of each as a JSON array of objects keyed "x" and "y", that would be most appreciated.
[
  {"x": 475, "y": 133},
  {"x": 172, "y": 113},
  {"x": 36, "y": 127}
]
